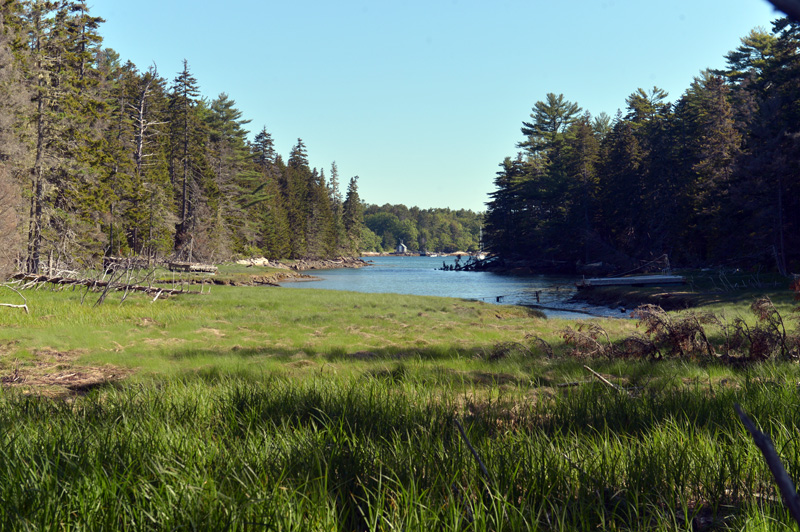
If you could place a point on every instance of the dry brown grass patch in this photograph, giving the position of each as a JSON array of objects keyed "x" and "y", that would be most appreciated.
[
  {"x": 209, "y": 330},
  {"x": 147, "y": 322},
  {"x": 55, "y": 374},
  {"x": 301, "y": 364}
]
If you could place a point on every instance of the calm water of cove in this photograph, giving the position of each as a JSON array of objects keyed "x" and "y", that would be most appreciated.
[{"x": 419, "y": 276}]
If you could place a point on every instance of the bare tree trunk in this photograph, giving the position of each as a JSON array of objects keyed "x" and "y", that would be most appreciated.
[
  {"x": 37, "y": 189},
  {"x": 141, "y": 125},
  {"x": 35, "y": 227}
]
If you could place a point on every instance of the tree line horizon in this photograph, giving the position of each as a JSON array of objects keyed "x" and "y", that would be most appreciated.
[
  {"x": 712, "y": 180},
  {"x": 99, "y": 158}
]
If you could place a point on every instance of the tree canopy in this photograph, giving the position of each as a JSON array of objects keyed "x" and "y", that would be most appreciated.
[
  {"x": 422, "y": 230},
  {"x": 99, "y": 158},
  {"x": 709, "y": 180}
]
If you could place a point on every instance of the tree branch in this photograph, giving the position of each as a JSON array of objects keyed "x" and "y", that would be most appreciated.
[
  {"x": 474, "y": 452},
  {"x": 782, "y": 478},
  {"x": 15, "y": 306},
  {"x": 606, "y": 381},
  {"x": 25, "y": 306}
]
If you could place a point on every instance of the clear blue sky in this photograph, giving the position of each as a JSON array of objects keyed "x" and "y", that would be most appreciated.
[{"x": 423, "y": 98}]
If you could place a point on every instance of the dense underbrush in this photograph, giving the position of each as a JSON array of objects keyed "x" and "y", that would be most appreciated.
[{"x": 694, "y": 335}]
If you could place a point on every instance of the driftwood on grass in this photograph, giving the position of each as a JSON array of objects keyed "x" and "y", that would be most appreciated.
[
  {"x": 94, "y": 284},
  {"x": 782, "y": 478},
  {"x": 197, "y": 267},
  {"x": 23, "y": 306},
  {"x": 606, "y": 381},
  {"x": 15, "y": 306}
]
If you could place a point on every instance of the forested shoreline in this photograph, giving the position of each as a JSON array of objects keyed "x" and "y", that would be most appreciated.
[
  {"x": 98, "y": 158},
  {"x": 711, "y": 180},
  {"x": 421, "y": 230}
]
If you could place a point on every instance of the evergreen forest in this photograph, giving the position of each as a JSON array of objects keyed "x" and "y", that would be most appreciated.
[
  {"x": 99, "y": 158},
  {"x": 711, "y": 180},
  {"x": 421, "y": 230}
]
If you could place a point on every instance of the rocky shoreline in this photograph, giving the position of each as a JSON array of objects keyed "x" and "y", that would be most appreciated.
[
  {"x": 306, "y": 264},
  {"x": 291, "y": 270}
]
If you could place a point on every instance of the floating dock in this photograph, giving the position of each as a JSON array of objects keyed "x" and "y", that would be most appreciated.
[{"x": 639, "y": 280}]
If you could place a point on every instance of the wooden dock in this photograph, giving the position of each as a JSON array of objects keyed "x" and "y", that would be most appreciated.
[{"x": 639, "y": 280}]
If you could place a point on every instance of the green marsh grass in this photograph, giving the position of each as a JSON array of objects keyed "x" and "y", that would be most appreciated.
[
  {"x": 367, "y": 453},
  {"x": 255, "y": 409},
  {"x": 254, "y": 327}
]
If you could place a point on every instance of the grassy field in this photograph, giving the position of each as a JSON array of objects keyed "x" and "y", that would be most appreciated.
[{"x": 263, "y": 408}]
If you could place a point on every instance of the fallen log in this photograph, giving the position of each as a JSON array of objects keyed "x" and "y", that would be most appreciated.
[{"x": 94, "y": 284}]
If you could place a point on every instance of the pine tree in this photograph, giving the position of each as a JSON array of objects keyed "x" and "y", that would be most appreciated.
[
  {"x": 353, "y": 214},
  {"x": 768, "y": 187},
  {"x": 541, "y": 197},
  {"x": 12, "y": 104},
  {"x": 148, "y": 110},
  {"x": 748, "y": 61},
  {"x": 581, "y": 156},
  {"x": 274, "y": 234},
  {"x": 294, "y": 183},
  {"x": 713, "y": 153},
  {"x": 320, "y": 235},
  {"x": 644, "y": 106},
  {"x": 237, "y": 178},
  {"x": 65, "y": 196},
  {"x": 504, "y": 210},
  {"x": 550, "y": 119},
  {"x": 186, "y": 139},
  {"x": 335, "y": 196},
  {"x": 264, "y": 148}
]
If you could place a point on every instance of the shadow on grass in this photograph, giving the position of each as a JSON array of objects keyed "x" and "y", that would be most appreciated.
[
  {"x": 332, "y": 355},
  {"x": 702, "y": 289},
  {"x": 450, "y": 367}
]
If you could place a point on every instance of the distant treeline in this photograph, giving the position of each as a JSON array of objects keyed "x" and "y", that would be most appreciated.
[
  {"x": 99, "y": 158},
  {"x": 431, "y": 230},
  {"x": 713, "y": 179}
]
